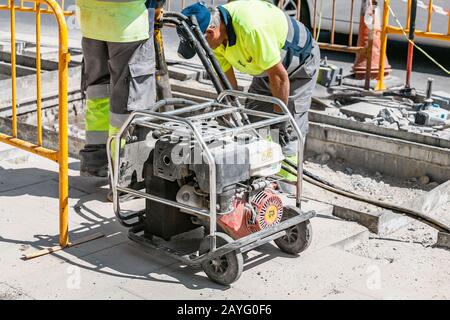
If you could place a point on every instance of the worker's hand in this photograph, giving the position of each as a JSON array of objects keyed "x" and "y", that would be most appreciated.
[{"x": 286, "y": 135}]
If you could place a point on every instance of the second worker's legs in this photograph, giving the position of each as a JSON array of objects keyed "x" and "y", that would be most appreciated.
[{"x": 94, "y": 161}]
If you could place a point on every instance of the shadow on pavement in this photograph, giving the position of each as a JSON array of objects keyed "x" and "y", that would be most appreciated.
[
  {"x": 21, "y": 181},
  {"x": 116, "y": 256}
]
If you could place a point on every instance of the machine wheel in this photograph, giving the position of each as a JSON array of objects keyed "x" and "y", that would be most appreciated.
[
  {"x": 225, "y": 269},
  {"x": 297, "y": 238}
]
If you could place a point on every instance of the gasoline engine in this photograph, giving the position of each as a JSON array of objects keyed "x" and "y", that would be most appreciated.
[{"x": 176, "y": 169}]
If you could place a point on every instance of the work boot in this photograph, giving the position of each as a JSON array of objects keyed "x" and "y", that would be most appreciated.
[{"x": 94, "y": 161}]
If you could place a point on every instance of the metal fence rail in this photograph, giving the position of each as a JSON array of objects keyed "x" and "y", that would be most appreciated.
[
  {"x": 39, "y": 7},
  {"x": 389, "y": 29},
  {"x": 349, "y": 47}
]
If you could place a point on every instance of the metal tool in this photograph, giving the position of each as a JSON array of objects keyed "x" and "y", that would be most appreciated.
[{"x": 431, "y": 114}]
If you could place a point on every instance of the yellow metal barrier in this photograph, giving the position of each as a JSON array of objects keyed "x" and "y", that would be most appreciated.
[
  {"x": 388, "y": 29},
  {"x": 61, "y": 155}
]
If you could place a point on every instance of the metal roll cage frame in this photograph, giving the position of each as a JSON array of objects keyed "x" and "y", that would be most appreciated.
[{"x": 145, "y": 118}]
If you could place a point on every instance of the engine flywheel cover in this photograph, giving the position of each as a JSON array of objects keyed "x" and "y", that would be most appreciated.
[
  {"x": 271, "y": 215},
  {"x": 269, "y": 210}
]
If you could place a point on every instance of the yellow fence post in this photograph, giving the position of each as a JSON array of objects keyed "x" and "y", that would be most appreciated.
[
  {"x": 63, "y": 152},
  {"x": 380, "y": 84},
  {"x": 429, "y": 14},
  {"x": 13, "y": 69},
  {"x": 38, "y": 74}
]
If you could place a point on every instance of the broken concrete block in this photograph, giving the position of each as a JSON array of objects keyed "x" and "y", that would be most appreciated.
[
  {"x": 424, "y": 180},
  {"x": 443, "y": 240},
  {"x": 182, "y": 74},
  {"x": 391, "y": 115},
  {"x": 348, "y": 170},
  {"x": 362, "y": 110},
  {"x": 323, "y": 158},
  {"x": 429, "y": 203}
]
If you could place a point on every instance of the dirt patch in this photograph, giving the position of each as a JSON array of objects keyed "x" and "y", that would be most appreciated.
[
  {"x": 374, "y": 185},
  {"x": 10, "y": 293}
]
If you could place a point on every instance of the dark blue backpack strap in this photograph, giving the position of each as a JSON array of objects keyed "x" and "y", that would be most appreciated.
[{"x": 292, "y": 47}]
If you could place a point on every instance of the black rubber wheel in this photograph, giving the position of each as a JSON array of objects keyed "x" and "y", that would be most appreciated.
[
  {"x": 297, "y": 238},
  {"x": 225, "y": 269}
]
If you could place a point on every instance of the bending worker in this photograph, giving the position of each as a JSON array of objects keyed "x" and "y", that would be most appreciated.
[
  {"x": 118, "y": 73},
  {"x": 257, "y": 38}
]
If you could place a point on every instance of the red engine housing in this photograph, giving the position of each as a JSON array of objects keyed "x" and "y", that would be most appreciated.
[{"x": 265, "y": 211}]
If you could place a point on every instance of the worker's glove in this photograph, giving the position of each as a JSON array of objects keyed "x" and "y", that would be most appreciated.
[
  {"x": 285, "y": 132},
  {"x": 287, "y": 135}
]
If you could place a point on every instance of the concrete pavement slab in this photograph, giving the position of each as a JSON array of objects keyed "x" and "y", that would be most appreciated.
[
  {"x": 115, "y": 267},
  {"x": 403, "y": 271},
  {"x": 325, "y": 232},
  {"x": 362, "y": 110},
  {"x": 312, "y": 276}
]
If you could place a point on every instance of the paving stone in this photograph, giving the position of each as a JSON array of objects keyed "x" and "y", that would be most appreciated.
[
  {"x": 183, "y": 73},
  {"x": 362, "y": 110}
]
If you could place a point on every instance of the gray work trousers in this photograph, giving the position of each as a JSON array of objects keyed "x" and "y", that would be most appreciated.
[
  {"x": 302, "y": 81},
  {"x": 118, "y": 78},
  {"x": 122, "y": 72}
]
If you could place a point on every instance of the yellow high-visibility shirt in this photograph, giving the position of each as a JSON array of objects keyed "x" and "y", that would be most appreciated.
[
  {"x": 113, "y": 20},
  {"x": 256, "y": 34}
]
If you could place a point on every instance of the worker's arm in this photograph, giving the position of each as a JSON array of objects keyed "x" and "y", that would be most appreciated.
[
  {"x": 279, "y": 84},
  {"x": 232, "y": 78}
]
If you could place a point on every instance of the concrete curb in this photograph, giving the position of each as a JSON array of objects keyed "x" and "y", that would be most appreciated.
[{"x": 381, "y": 223}]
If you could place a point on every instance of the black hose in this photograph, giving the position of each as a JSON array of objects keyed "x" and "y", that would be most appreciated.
[
  {"x": 182, "y": 21},
  {"x": 206, "y": 55},
  {"x": 321, "y": 183}
]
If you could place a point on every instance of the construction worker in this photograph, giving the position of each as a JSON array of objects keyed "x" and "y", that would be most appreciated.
[
  {"x": 257, "y": 38},
  {"x": 118, "y": 73}
]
